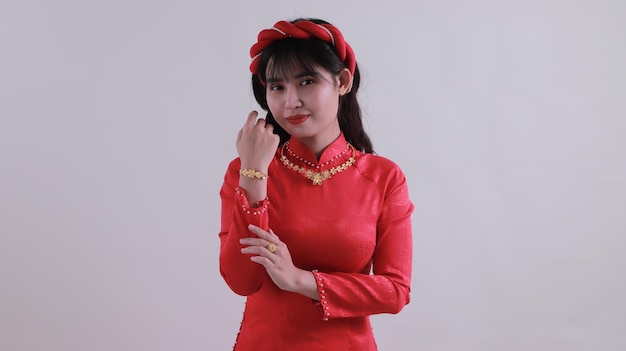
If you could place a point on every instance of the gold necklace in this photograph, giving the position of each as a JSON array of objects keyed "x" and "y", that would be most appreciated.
[{"x": 317, "y": 177}]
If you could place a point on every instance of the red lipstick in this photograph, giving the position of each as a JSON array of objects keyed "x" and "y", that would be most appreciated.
[{"x": 297, "y": 119}]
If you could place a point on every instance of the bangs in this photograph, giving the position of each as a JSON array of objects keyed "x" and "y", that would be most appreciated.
[{"x": 290, "y": 56}]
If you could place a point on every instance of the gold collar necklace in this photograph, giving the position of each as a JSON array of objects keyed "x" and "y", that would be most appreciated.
[{"x": 316, "y": 177}]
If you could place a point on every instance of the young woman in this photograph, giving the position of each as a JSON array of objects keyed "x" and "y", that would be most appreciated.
[{"x": 316, "y": 229}]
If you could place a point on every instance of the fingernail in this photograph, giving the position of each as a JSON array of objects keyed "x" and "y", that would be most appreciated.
[{"x": 251, "y": 226}]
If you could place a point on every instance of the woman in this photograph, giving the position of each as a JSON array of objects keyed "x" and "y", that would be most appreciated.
[{"x": 316, "y": 229}]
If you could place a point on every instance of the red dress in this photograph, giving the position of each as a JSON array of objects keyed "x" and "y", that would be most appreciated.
[{"x": 353, "y": 231}]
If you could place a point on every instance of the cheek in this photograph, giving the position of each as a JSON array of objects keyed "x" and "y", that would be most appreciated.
[{"x": 329, "y": 101}]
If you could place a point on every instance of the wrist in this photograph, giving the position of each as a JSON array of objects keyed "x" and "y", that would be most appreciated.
[
  {"x": 304, "y": 284},
  {"x": 257, "y": 166},
  {"x": 253, "y": 173}
]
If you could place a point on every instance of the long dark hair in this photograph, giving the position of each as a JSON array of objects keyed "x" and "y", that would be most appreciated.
[{"x": 289, "y": 53}]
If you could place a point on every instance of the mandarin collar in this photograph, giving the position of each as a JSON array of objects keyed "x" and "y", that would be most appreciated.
[{"x": 335, "y": 148}]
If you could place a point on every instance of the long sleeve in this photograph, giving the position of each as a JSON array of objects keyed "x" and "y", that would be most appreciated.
[
  {"x": 353, "y": 231},
  {"x": 387, "y": 289},
  {"x": 243, "y": 276}
]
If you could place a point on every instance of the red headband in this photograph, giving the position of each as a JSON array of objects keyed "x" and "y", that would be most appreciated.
[{"x": 303, "y": 30}]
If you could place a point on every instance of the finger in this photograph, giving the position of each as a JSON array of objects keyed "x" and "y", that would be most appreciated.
[
  {"x": 274, "y": 236},
  {"x": 254, "y": 242},
  {"x": 239, "y": 134},
  {"x": 251, "y": 120},
  {"x": 264, "y": 261},
  {"x": 255, "y": 250},
  {"x": 259, "y": 232},
  {"x": 258, "y": 251},
  {"x": 270, "y": 236},
  {"x": 261, "y": 122}
]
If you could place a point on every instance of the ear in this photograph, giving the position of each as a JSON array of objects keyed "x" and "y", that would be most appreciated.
[{"x": 345, "y": 81}]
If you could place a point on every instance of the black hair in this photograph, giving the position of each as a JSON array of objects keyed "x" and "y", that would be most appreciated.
[{"x": 289, "y": 53}]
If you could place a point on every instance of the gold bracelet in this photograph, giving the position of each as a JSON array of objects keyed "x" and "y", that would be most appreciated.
[{"x": 254, "y": 174}]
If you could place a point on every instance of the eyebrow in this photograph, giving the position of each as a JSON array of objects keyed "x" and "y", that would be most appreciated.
[{"x": 299, "y": 75}]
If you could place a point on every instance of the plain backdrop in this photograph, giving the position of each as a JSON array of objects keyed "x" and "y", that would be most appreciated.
[{"x": 118, "y": 119}]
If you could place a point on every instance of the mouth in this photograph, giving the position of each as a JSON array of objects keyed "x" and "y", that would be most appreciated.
[{"x": 297, "y": 119}]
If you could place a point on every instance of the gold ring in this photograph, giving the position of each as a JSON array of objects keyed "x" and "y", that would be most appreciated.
[{"x": 272, "y": 247}]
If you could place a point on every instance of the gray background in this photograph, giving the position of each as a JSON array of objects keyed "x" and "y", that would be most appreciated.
[{"x": 118, "y": 119}]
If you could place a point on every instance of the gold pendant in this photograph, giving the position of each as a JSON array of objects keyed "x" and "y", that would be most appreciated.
[{"x": 317, "y": 177}]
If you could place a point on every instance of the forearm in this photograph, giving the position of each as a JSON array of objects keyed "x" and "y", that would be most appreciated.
[
  {"x": 347, "y": 295},
  {"x": 242, "y": 276}
]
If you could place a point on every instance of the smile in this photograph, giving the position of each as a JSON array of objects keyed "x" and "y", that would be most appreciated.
[{"x": 297, "y": 119}]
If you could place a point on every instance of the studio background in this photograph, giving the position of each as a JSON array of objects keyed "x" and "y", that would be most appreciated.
[{"x": 118, "y": 120}]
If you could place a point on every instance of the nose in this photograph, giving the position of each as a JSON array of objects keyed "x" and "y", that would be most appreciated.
[{"x": 292, "y": 99}]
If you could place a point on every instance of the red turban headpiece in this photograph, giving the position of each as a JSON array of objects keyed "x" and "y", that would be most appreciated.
[{"x": 303, "y": 30}]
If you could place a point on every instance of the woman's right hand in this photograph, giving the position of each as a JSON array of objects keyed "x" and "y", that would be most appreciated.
[{"x": 256, "y": 143}]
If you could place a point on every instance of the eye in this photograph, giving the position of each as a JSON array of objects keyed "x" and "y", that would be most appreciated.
[
  {"x": 307, "y": 81},
  {"x": 276, "y": 87}
]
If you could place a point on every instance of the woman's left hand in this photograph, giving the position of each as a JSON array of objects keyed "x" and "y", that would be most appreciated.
[{"x": 278, "y": 264}]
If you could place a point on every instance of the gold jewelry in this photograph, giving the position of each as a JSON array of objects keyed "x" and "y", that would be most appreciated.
[
  {"x": 320, "y": 165},
  {"x": 252, "y": 173},
  {"x": 272, "y": 247},
  {"x": 342, "y": 91},
  {"x": 317, "y": 177}
]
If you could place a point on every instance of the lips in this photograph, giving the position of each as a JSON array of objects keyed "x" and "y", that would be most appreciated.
[{"x": 297, "y": 119}]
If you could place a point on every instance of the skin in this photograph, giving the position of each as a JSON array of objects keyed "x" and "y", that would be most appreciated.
[{"x": 314, "y": 96}]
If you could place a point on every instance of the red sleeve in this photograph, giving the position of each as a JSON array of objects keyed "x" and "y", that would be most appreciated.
[
  {"x": 387, "y": 290},
  {"x": 243, "y": 276}
]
